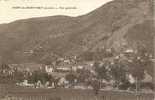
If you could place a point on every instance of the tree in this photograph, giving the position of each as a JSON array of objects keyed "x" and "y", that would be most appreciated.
[
  {"x": 56, "y": 80},
  {"x": 39, "y": 76},
  {"x": 101, "y": 70},
  {"x": 18, "y": 77},
  {"x": 118, "y": 73},
  {"x": 139, "y": 62},
  {"x": 71, "y": 78},
  {"x": 83, "y": 75},
  {"x": 96, "y": 86},
  {"x": 137, "y": 69}
]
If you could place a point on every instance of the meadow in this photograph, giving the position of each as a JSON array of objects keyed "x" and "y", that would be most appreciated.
[{"x": 75, "y": 94}]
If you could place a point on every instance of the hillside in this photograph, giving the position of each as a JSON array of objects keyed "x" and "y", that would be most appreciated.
[{"x": 116, "y": 24}]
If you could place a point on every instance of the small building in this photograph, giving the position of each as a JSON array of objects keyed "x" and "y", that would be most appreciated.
[
  {"x": 129, "y": 51},
  {"x": 30, "y": 67},
  {"x": 148, "y": 78},
  {"x": 49, "y": 69}
]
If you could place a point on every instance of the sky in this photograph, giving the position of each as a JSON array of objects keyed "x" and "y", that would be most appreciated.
[{"x": 11, "y": 10}]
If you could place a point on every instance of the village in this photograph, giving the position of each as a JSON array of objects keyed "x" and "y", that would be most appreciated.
[{"x": 109, "y": 73}]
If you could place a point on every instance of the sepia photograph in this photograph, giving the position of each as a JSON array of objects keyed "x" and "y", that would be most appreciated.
[{"x": 77, "y": 50}]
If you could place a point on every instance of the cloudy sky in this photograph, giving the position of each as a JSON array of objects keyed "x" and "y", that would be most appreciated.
[{"x": 11, "y": 10}]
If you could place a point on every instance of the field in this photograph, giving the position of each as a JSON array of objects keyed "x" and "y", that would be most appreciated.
[{"x": 72, "y": 94}]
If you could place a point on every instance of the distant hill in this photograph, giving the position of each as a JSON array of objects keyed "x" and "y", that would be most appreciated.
[{"x": 115, "y": 24}]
